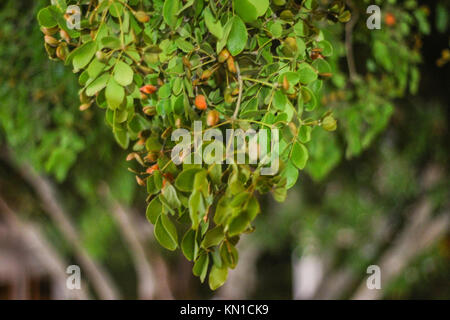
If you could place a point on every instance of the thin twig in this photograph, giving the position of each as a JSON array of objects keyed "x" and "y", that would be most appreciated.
[
  {"x": 349, "y": 41},
  {"x": 241, "y": 84}
]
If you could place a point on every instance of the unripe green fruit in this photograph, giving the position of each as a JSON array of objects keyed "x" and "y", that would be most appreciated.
[
  {"x": 101, "y": 56},
  {"x": 329, "y": 123},
  {"x": 279, "y": 2}
]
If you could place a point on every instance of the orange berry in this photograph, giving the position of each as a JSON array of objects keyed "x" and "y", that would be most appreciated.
[
  {"x": 390, "y": 19},
  {"x": 200, "y": 102},
  {"x": 152, "y": 169},
  {"x": 148, "y": 89}
]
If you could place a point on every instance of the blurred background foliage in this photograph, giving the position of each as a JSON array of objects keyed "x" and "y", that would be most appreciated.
[{"x": 375, "y": 192}]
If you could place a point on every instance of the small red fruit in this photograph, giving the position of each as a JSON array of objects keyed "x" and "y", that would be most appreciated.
[
  {"x": 200, "y": 102},
  {"x": 148, "y": 89},
  {"x": 390, "y": 19},
  {"x": 152, "y": 169}
]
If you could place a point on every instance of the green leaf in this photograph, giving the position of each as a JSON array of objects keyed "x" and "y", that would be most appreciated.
[
  {"x": 110, "y": 43},
  {"x": 166, "y": 233},
  {"x": 170, "y": 12},
  {"x": 292, "y": 77},
  {"x": 250, "y": 10},
  {"x": 322, "y": 66},
  {"x": 95, "y": 68},
  {"x": 122, "y": 138},
  {"x": 189, "y": 245},
  {"x": 154, "y": 210},
  {"x": 280, "y": 101},
  {"x": 327, "y": 48},
  {"x": 196, "y": 208},
  {"x": 307, "y": 73},
  {"x": 201, "y": 267},
  {"x": 170, "y": 195},
  {"x": 217, "y": 277},
  {"x": 276, "y": 29},
  {"x": 226, "y": 33},
  {"x": 223, "y": 211},
  {"x": 214, "y": 26},
  {"x": 123, "y": 74},
  {"x": 185, "y": 180},
  {"x": 238, "y": 36},
  {"x": 304, "y": 134},
  {"x": 239, "y": 224},
  {"x": 116, "y": 9},
  {"x": 299, "y": 155},
  {"x": 46, "y": 18},
  {"x": 213, "y": 237},
  {"x": 245, "y": 10},
  {"x": 114, "y": 94},
  {"x": 309, "y": 98},
  {"x": 291, "y": 174},
  {"x": 83, "y": 55},
  {"x": 184, "y": 45},
  {"x": 229, "y": 254},
  {"x": 97, "y": 85}
]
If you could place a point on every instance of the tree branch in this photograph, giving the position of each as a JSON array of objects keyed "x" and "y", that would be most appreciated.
[
  {"x": 147, "y": 281},
  {"x": 99, "y": 277},
  {"x": 35, "y": 239}
]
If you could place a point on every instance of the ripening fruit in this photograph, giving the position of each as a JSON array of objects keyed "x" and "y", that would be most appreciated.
[
  {"x": 286, "y": 84},
  {"x": 51, "y": 41},
  {"x": 85, "y": 106},
  {"x": 49, "y": 31},
  {"x": 287, "y": 15},
  {"x": 390, "y": 19},
  {"x": 325, "y": 75},
  {"x": 64, "y": 35},
  {"x": 228, "y": 95},
  {"x": 231, "y": 65},
  {"x": 148, "y": 89},
  {"x": 291, "y": 43},
  {"x": 62, "y": 51},
  {"x": 151, "y": 157},
  {"x": 140, "y": 182},
  {"x": 142, "y": 17},
  {"x": 316, "y": 53},
  {"x": 329, "y": 123},
  {"x": 131, "y": 156},
  {"x": 206, "y": 74},
  {"x": 212, "y": 118},
  {"x": 200, "y": 102},
  {"x": 224, "y": 55},
  {"x": 152, "y": 169},
  {"x": 293, "y": 129}
]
